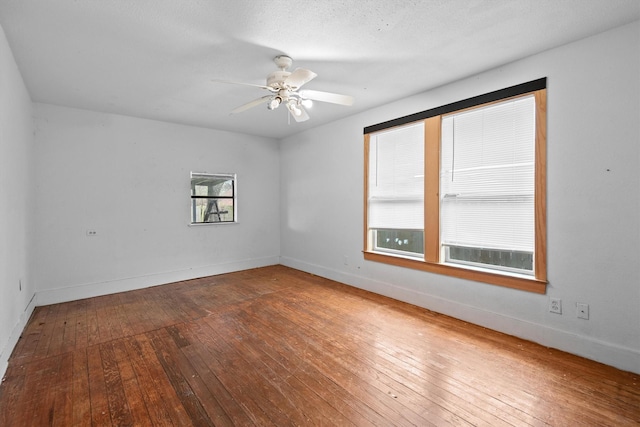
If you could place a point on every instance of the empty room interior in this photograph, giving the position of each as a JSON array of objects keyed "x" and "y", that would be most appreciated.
[{"x": 320, "y": 212}]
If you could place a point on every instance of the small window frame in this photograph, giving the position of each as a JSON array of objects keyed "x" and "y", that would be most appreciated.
[{"x": 223, "y": 177}]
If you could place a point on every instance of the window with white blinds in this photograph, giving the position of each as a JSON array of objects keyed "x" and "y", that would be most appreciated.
[
  {"x": 460, "y": 189},
  {"x": 396, "y": 178},
  {"x": 487, "y": 177}
]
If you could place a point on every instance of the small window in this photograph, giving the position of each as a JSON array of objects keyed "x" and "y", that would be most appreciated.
[{"x": 213, "y": 198}]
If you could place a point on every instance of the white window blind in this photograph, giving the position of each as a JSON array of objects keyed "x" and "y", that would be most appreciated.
[
  {"x": 487, "y": 177},
  {"x": 396, "y": 178}
]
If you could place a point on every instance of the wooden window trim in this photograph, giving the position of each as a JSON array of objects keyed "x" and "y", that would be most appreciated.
[
  {"x": 431, "y": 262},
  {"x": 540, "y": 201},
  {"x": 515, "y": 282}
]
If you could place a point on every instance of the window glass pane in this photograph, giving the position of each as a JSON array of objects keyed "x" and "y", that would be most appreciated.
[
  {"x": 505, "y": 260},
  {"x": 212, "y": 185},
  {"x": 400, "y": 241},
  {"x": 212, "y": 210}
]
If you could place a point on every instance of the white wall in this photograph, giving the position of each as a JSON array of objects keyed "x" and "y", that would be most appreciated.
[
  {"x": 128, "y": 179},
  {"x": 16, "y": 194},
  {"x": 593, "y": 206}
]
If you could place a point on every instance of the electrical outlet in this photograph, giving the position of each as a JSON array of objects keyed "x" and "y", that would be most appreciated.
[
  {"x": 555, "y": 305},
  {"x": 345, "y": 260},
  {"x": 583, "y": 311},
  {"x": 92, "y": 233}
]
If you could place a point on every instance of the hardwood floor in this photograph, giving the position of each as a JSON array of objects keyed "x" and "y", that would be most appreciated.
[{"x": 278, "y": 347}]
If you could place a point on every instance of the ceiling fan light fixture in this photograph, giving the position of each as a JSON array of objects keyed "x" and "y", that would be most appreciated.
[
  {"x": 307, "y": 103},
  {"x": 274, "y": 103},
  {"x": 295, "y": 110}
]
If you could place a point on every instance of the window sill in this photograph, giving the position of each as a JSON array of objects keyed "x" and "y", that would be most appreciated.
[
  {"x": 204, "y": 224},
  {"x": 516, "y": 282}
]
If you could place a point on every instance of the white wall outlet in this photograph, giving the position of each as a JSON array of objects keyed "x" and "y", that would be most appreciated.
[
  {"x": 345, "y": 260},
  {"x": 583, "y": 311},
  {"x": 91, "y": 233},
  {"x": 555, "y": 305}
]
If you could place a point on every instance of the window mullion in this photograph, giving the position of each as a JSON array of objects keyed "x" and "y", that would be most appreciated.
[{"x": 432, "y": 189}]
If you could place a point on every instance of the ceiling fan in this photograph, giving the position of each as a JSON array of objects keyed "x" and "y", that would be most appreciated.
[{"x": 285, "y": 90}]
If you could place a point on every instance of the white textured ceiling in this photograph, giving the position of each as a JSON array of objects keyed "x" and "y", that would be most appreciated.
[{"x": 155, "y": 58}]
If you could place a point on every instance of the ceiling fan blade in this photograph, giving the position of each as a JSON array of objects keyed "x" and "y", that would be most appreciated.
[
  {"x": 334, "y": 98},
  {"x": 298, "y": 77},
  {"x": 244, "y": 84},
  {"x": 251, "y": 104}
]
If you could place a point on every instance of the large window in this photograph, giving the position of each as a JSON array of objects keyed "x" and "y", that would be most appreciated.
[
  {"x": 460, "y": 190},
  {"x": 213, "y": 198}
]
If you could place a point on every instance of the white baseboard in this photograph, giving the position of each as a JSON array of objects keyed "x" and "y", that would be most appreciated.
[
  {"x": 90, "y": 290},
  {"x": 608, "y": 353},
  {"x": 16, "y": 332}
]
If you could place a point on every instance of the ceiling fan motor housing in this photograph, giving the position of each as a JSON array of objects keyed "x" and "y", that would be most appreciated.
[
  {"x": 277, "y": 78},
  {"x": 283, "y": 61}
]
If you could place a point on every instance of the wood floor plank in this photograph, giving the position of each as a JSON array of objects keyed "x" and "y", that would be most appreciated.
[
  {"x": 386, "y": 358},
  {"x": 116, "y": 396},
  {"x": 118, "y": 312},
  {"x": 454, "y": 353},
  {"x": 275, "y": 346},
  {"x": 28, "y": 342},
  {"x": 357, "y": 387},
  {"x": 174, "y": 343},
  {"x": 59, "y": 323},
  {"x": 100, "y": 414},
  {"x": 242, "y": 412},
  {"x": 12, "y": 399},
  {"x": 81, "y": 341},
  {"x": 151, "y": 393},
  {"x": 144, "y": 351},
  {"x": 363, "y": 382},
  {"x": 104, "y": 322},
  {"x": 62, "y": 392},
  {"x": 247, "y": 394},
  {"x": 69, "y": 328},
  {"x": 312, "y": 407},
  {"x": 81, "y": 412},
  {"x": 47, "y": 332},
  {"x": 133, "y": 308},
  {"x": 93, "y": 334},
  {"x": 30, "y": 408},
  {"x": 329, "y": 400},
  {"x": 131, "y": 388},
  {"x": 183, "y": 389},
  {"x": 249, "y": 382},
  {"x": 526, "y": 377},
  {"x": 302, "y": 367}
]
